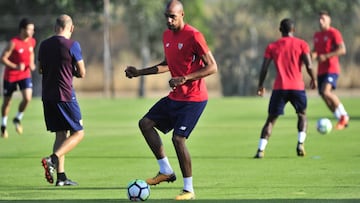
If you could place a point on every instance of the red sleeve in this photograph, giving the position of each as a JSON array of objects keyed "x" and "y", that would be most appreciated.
[
  {"x": 305, "y": 47},
  {"x": 201, "y": 47},
  {"x": 337, "y": 37},
  {"x": 267, "y": 53}
]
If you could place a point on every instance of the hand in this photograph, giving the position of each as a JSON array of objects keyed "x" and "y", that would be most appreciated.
[
  {"x": 313, "y": 84},
  {"x": 261, "y": 91},
  {"x": 174, "y": 82},
  {"x": 21, "y": 66},
  {"x": 322, "y": 58},
  {"x": 131, "y": 72},
  {"x": 32, "y": 67},
  {"x": 75, "y": 72}
]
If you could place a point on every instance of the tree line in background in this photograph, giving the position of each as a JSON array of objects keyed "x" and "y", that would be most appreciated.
[{"x": 237, "y": 30}]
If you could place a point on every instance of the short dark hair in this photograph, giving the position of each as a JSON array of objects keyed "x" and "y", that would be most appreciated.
[
  {"x": 324, "y": 12},
  {"x": 24, "y": 23},
  {"x": 286, "y": 25}
]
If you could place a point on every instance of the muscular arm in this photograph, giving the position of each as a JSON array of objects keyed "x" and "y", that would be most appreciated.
[
  {"x": 263, "y": 73},
  {"x": 306, "y": 58},
  {"x": 32, "y": 61},
  {"x": 80, "y": 68},
  {"x": 340, "y": 50},
  {"x": 162, "y": 67},
  {"x": 210, "y": 68},
  {"x": 5, "y": 58}
]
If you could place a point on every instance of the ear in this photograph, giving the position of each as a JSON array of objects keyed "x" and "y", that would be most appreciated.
[{"x": 72, "y": 28}]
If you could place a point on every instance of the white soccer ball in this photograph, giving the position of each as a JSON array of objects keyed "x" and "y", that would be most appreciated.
[
  {"x": 324, "y": 126},
  {"x": 138, "y": 190}
]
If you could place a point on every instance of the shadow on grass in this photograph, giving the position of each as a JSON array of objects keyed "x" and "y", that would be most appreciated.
[{"x": 210, "y": 201}]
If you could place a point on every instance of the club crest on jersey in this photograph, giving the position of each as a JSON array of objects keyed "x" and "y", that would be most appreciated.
[{"x": 180, "y": 46}]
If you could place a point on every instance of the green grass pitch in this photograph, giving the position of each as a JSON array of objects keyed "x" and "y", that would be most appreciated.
[{"x": 222, "y": 146}]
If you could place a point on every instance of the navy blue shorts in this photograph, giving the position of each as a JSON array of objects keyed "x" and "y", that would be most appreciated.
[
  {"x": 279, "y": 98},
  {"x": 327, "y": 78},
  {"x": 11, "y": 87},
  {"x": 61, "y": 116},
  {"x": 181, "y": 116}
]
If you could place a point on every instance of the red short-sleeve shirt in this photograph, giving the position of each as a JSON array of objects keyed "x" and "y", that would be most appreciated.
[{"x": 183, "y": 51}]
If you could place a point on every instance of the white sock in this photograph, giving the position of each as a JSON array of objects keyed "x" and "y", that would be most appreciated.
[
  {"x": 4, "y": 121},
  {"x": 188, "y": 184},
  {"x": 301, "y": 137},
  {"x": 262, "y": 144},
  {"x": 165, "y": 167},
  {"x": 19, "y": 115},
  {"x": 340, "y": 111}
]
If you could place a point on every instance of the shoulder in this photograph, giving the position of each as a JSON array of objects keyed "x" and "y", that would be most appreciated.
[
  {"x": 75, "y": 44},
  {"x": 191, "y": 30},
  {"x": 15, "y": 40},
  {"x": 334, "y": 31},
  {"x": 318, "y": 33},
  {"x": 33, "y": 41},
  {"x": 300, "y": 40}
]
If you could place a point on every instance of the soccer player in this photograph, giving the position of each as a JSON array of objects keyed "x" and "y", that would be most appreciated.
[
  {"x": 189, "y": 60},
  {"x": 18, "y": 58},
  {"x": 328, "y": 46},
  {"x": 60, "y": 59},
  {"x": 288, "y": 54}
]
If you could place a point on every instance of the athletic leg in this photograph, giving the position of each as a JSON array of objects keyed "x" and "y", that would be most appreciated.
[
  {"x": 302, "y": 126},
  {"x": 26, "y": 98},
  {"x": 330, "y": 99},
  {"x": 5, "y": 108},
  {"x": 154, "y": 141},
  {"x": 152, "y": 137}
]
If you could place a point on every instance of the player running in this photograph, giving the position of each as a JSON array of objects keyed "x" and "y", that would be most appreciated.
[
  {"x": 18, "y": 58},
  {"x": 288, "y": 54},
  {"x": 328, "y": 46}
]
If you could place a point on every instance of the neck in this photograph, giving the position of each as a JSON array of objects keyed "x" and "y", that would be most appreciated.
[
  {"x": 67, "y": 36},
  {"x": 23, "y": 37},
  {"x": 181, "y": 27}
]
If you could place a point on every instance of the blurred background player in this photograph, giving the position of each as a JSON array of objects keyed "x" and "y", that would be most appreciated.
[
  {"x": 18, "y": 58},
  {"x": 328, "y": 46},
  {"x": 288, "y": 54},
  {"x": 189, "y": 60},
  {"x": 60, "y": 59}
]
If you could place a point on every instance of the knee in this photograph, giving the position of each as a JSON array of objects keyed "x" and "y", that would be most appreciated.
[
  {"x": 178, "y": 140},
  {"x": 325, "y": 94},
  {"x": 27, "y": 100},
  {"x": 78, "y": 134},
  {"x": 81, "y": 134},
  {"x": 301, "y": 115},
  {"x": 145, "y": 124}
]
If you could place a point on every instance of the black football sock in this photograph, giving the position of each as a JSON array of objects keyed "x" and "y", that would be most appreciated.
[
  {"x": 61, "y": 176},
  {"x": 54, "y": 159}
]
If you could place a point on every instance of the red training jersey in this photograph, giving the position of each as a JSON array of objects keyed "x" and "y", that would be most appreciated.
[
  {"x": 325, "y": 42},
  {"x": 286, "y": 54},
  {"x": 183, "y": 51},
  {"x": 21, "y": 54}
]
